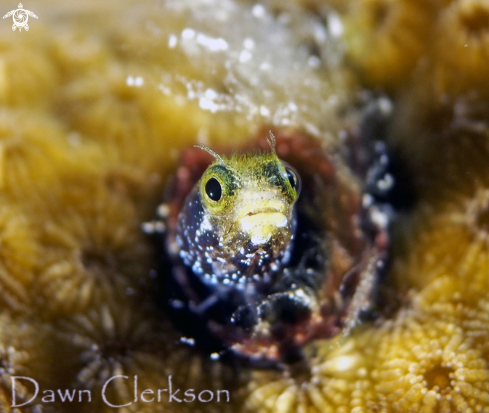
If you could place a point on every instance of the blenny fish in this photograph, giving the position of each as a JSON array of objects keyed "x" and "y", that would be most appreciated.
[
  {"x": 237, "y": 224},
  {"x": 259, "y": 257}
]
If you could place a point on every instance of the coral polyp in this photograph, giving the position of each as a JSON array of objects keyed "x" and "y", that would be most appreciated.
[
  {"x": 18, "y": 257},
  {"x": 463, "y": 28},
  {"x": 90, "y": 255},
  {"x": 339, "y": 381},
  {"x": 385, "y": 38},
  {"x": 430, "y": 365}
]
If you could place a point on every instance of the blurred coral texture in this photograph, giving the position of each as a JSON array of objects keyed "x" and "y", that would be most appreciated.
[{"x": 98, "y": 98}]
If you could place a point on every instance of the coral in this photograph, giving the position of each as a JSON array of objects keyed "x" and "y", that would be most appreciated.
[
  {"x": 28, "y": 76},
  {"x": 121, "y": 338},
  {"x": 436, "y": 352},
  {"x": 135, "y": 122},
  {"x": 457, "y": 241},
  {"x": 27, "y": 348},
  {"x": 432, "y": 357},
  {"x": 428, "y": 364},
  {"x": 30, "y": 144},
  {"x": 250, "y": 75},
  {"x": 338, "y": 381},
  {"x": 96, "y": 103},
  {"x": 385, "y": 38},
  {"x": 451, "y": 217},
  {"x": 459, "y": 49},
  {"x": 19, "y": 255},
  {"x": 92, "y": 247}
]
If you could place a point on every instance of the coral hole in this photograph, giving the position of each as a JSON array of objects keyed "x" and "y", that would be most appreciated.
[
  {"x": 476, "y": 20},
  {"x": 478, "y": 212},
  {"x": 438, "y": 378},
  {"x": 98, "y": 261},
  {"x": 380, "y": 12},
  {"x": 483, "y": 218},
  {"x": 115, "y": 350}
]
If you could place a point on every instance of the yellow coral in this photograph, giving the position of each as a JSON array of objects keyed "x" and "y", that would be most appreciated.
[
  {"x": 429, "y": 358},
  {"x": 337, "y": 380},
  {"x": 19, "y": 255},
  {"x": 426, "y": 365},
  {"x": 460, "y": 48},
  {"x": 91, "y": 124},
  {"x": 448, "y": 233},
  {"x": 122, "y": 338},
  {"x": 27, "y": 348},
  {"x": 30, "y": 144},
  {"x": 28, "y": 76},
  {"x": 385, "y": 38},
  {"x": 92, "y": 246},
  {"x": 450, "y": 241},
  {"x": 115, "y": 339}
]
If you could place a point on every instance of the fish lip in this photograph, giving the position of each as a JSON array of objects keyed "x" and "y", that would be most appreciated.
[
  {"x": 269, "y": 218},
  {"x": 263, "y": 211},
  {"x": 237, "y": 225},
  {"x": 270, "y": 207},
  {"x": 251, "y": 210}
]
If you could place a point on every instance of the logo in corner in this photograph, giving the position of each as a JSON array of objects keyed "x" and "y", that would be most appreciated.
[{"x": 20, "y": 17}]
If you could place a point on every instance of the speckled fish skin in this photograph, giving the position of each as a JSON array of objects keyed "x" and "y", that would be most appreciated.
[{"x": 246, "y": 244}]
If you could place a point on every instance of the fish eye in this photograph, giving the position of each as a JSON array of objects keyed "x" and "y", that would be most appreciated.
[
  {"x": 217, "y": 188},
  {"x": 213, "y": 189},
  {"x": 293, "y": 178}
]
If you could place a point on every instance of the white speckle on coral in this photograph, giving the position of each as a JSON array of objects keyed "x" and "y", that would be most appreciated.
[
  {"x": 335, "y": 25},
  {"x": 211, "y": 94},
  {"x": 264, "y": 111},
  {"x": 259, "y": 65},
  {"x": 248, "y": 43},
  {"x": 314, "y": 62},
  {"x": 292, "y": 106},
  {"x": 137, "y": 81},
  {"x": 244, "y": 56},
  {"x": 164, "y": 89},
  {"x": 74, "y": 139},
  {"x": 188, "y": 34},
  {"x": 207, "y": 104},
  {"x": 172, "y": 41},
  {"x": 258, "y": 11},
  {"x": 213, "y": 44}
]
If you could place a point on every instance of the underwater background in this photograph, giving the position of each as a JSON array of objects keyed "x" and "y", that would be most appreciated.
[{"x": 98, "y": 99}]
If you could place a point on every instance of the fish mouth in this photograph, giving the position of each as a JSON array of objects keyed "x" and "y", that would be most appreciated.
[
  {"x": 261, "y": 223},
  {"x": 263, "y": 207}
]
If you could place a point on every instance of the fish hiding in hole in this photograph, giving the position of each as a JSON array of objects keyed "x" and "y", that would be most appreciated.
[{"x": 260, "y": 257}]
